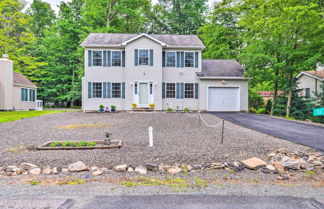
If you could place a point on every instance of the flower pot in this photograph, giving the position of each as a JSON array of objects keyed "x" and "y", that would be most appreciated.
[
  {"x": 101, "y": 110},
  {"x": 113, "y": 110}
]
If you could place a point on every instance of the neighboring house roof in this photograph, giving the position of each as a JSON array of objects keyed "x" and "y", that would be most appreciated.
[
  {"x": 221, "y": 68},
  {"x": 269, "y": 93},
  {"x": 119, "y": 39},
  {"x": 20, "y": 80},
  {"x": 311, "y": 73}
]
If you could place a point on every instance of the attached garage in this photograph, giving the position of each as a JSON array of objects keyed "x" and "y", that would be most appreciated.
[{"x": 223, "y": 99}]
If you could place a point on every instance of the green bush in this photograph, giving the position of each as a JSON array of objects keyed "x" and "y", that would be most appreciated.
[
  {"x": 186, "y": 109},
  {"x": 252, "y": 110},
  {"x": 255, "y": 99},
  {"x": 268, "y": 107},
  {"x": 169, "y": 109},
  {"x": 261, "y": 110}
]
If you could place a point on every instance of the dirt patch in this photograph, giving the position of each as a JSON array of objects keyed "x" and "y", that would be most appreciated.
[{"x": 83, "y": 126}]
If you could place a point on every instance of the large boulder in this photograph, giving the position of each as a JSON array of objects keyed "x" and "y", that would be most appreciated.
[
  {"x": 27, "y": 166},
  {"x": 78, "y": 166},
  {"x": 290, "y": 163},
  {"x": 35, "y": 171},
  {"x": 121, "y": 168},
  {"x": 254, "y": 163},
  {"x": 279, "y": 167},
  {"x": 141, "y": 170},
  {"x": 152, "y": 167},
  {"x": 174, "y": 170}
]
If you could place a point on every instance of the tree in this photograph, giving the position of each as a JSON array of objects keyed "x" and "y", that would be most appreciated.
[{"x": 178, "y": 16}]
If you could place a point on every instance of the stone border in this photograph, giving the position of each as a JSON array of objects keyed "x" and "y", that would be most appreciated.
[{"x": 100, "y": 145}]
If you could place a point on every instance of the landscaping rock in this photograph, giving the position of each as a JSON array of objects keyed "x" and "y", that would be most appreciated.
[
  {"x": 161, "y": 167},
  {"x": 65, "y": 170},
  {"x": 238, "y": 166},
  {"x": 279, "y": 167},
  {"x": 47, "y": 170},
  {"x": 287, "y": 162},
  {"x": 270, "y": 167},
  {"x": 174, "y": 170},
  {"x": 254, "y": 163},
  {"x": 152, "y": 167},
  {"x": 1, "y": 168},
  {"x": 282, "y": 150},
  {"x": 57, "y": 170},
  {"x": 316, "y": 163},
  {"x": 216, "y": 166},
  {"x": 27, "y": 166},
  {"x": 78, "y": 166},
  {"x": 12, "y": 170},
  {"x": 97, "y": 173},
  {"x": 189, "y": 167},
  {"x": 35, "y": 171},
  {"x": 284, "y": 177},
  {"x": 121, "y": 168},
  {"x": 197, "y": 167},
  {"x": 309, "y": 167},
  {"x": 141, "y": 170},
  {"x": 130, "y": 170},
  {"x": 302, "y": 163},
  {"x": 266, "y": 170},
  {"x": 271, "y": 155},
  {"x": 93, "y": 168}
]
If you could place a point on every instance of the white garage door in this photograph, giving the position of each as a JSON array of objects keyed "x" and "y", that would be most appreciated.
[{"x": 223, "y": 99}]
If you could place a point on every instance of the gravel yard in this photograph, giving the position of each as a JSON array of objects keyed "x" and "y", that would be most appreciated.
[{"x": 178, "y": 138}]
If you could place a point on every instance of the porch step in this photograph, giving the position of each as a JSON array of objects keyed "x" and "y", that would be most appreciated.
[{"x": 143, "y": 109}]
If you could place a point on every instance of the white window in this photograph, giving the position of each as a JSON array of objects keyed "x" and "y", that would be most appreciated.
[
  {"x": 116, "y": 58},
  {"x": 24, "y": 95},
  {"x": 189, "y": 59},
  {"x": 307, "y": 92},
  {"x": 97, "y": 90},
  {"x": 32, "y": 95},
  {"x": 97, "y": 58},
  {"x": 170, "y": 90},
  {"x": 143, "y": 57},
  {"x": 116, "y": 90},
  {"x": 170, "y": 59},
  {"x": 189, "y": 90}
]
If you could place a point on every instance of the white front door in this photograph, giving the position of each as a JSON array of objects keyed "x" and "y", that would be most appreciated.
[
  {"x": 223, "y": 99},
  {"x": 143, "y": 93}
]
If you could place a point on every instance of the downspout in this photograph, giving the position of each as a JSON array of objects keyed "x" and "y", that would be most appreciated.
[
  {"x": 125, "y": 78},
  {"x": 316, "y": 82}
]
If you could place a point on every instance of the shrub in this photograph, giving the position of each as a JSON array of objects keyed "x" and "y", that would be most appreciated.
[
  {"x": 186, "y": 109},
  {"x": 252, "y": 110},
  {"x": 134, "y": 105},
  {"x": 152, "y": 105},
  {"x": 255, "y": 99},
  {"x": 169, "y": 109},
  {"x": 261, "y": 110},
  {"x": 113, "y": 107},
  {"x": 268, "y": 106},
  {"x": 101, "y": 106}
]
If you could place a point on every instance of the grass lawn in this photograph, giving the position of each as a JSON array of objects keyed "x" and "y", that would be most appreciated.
[{"x": 17, "y": 115}]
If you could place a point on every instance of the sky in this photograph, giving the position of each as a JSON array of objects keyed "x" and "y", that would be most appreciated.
[{"x": 55, "y": 3}]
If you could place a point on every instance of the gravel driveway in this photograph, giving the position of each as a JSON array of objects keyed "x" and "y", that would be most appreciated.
[
  {"x": 178, "y": 138},
  {"x": 302, "y": 133}
]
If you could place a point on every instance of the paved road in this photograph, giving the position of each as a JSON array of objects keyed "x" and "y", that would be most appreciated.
[
  {"x": 306, "y": 134},
  {"x": 201, "y": 202}
]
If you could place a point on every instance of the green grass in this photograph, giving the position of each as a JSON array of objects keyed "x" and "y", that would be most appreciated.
[{"x": 6, "y": 117}]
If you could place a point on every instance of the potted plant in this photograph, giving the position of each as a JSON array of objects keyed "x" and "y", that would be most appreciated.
[
  {"x": 186, "y": 109},
  {"x": 134, "y": 105},
  {"x": 113, "y": 108},
  {"x": 152, "y": 105},
  {"x": 169, "y": 109},
  {"x": 101, "y": 108},
  {"x": 106, "y": 109}
]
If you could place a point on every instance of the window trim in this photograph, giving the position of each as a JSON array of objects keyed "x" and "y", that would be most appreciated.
[
  {"x": 193, "y": 91},
  {"x": 166, "y": 58},
  {"x": 93, "y": 90},
  {"x": 307, "y": 93},
  {"x": 93, "y": 51},
  {"x": 148, "y": 54},
  {"x": 28, "y": 95},
  {"x": 120, "y": 90},
  {"x": 184, "y": 59},
  {"x": 175, "y": 91},
  {"x": 121, "y": 58}
]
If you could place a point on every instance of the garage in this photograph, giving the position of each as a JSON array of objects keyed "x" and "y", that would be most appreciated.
[{"x": 223, "y": 99}]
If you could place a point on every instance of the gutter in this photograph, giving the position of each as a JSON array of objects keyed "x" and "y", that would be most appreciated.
[{"x": 225, "y": 78}]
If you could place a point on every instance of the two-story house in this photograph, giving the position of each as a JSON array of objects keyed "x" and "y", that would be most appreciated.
[{"x": 166, "y": 70}]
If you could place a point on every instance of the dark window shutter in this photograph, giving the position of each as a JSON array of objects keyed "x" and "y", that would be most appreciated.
[
  {"x": 163, "y": 90},
  {"x": 178, "y": 59},
  {"x": 196, "y": 90},
  {"x": 182, "y": 90},
  {"x": 30, "y": 95},
  {"x": 182, "y": 59},
  {"x": 178, "y": 91},
  {"x": 89, "y": 58},
  {"x": 196, "y": 59},
  {"x": 22, "y": 94},
  {"x": 108, "y": 58},
  {"x": 123, "y": 90},
  {"x": 136, "y": 57},
  {"x": 108, "y": 90},
  {"x": 104, "y": 58},
  {"x": 151, "y": 57},
  {"x": 89, "y": 89},
  {"x": 123, "y": 58},
  {"x": 163, "y": 59},
  {"x": 104, "y": 90}
]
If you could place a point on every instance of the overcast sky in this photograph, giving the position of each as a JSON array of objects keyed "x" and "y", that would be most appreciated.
[{"x": 55, "y": 3}]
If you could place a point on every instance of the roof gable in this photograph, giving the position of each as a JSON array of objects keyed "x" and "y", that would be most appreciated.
[
  {"x": 319, "y": 74},
  {"x": 140, "y": 36},
  {"x": 20, "y": 80}
]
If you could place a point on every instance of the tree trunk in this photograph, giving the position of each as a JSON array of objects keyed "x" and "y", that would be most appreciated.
[
  {"x": 288, "y": 103},
  {"x": 275, "y": 93}
]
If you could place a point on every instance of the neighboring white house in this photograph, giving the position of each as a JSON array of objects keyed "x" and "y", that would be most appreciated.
[
  {"x": 16, "y": 91},
  {"x": 310, "y": 81},
  {"x": 167, "y": 70}
]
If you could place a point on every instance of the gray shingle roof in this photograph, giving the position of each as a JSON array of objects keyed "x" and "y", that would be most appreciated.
[
  {"x": 115, "y": 39},
  {"x": 221, "y": 68},
  {"x": 21, "y": 80}
]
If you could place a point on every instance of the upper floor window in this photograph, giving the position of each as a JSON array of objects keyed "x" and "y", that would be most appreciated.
[
  {"x": 189, "y": 59},
  {"x": 143, "y": 57},
  {"x": 116, "y": 90},
  {"x": 170, "y": 90},
  {"x": 170, "y": 59},
  {"x": 97, "y": 58},
  {"x": 189, "y": 90},
  {"x": 97, "y": 90},
  {"x": 116, "y": 58}
]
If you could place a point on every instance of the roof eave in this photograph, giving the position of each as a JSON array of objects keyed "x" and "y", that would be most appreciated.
[
  {"x": 141, "y": 35},
  {"x": 223, "y": 78},
  {"x": 310, "y": 75},
  {"x": 185, "y": 47},
  {"x": 22, "y": 85}
]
